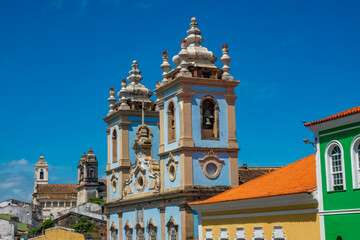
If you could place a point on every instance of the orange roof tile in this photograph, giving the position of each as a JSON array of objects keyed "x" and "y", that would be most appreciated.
[
  {"x": 57, "y": 188},
  {"x": 297, "y": 177},
  {"x": 339, "y": 115}
]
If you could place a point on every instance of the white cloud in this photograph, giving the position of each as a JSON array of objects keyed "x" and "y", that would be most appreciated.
[{"x": 20, "y": 162}]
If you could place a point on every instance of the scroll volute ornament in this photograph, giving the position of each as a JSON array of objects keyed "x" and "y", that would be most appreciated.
[{"x": 211, "y": 165}]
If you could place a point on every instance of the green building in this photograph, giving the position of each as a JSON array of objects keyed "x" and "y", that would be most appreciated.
[{"x": 337, "y": 140}]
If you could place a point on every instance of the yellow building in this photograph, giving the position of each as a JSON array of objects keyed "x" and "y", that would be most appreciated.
[
  {"x": 60, "y": 233},
  {"x": 277, "y": 206}
]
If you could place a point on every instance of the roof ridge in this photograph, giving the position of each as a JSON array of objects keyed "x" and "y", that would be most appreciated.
[{"x": 341, "y": 114}]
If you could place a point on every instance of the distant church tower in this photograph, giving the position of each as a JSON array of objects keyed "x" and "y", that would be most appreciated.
[
  {"x": 41, "y": 175},
  {"x": 87, "y": 178},
  {"x": 181, "y": 149}
]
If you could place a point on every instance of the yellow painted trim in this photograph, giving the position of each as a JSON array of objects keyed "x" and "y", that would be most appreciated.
[{"x": 259, "y": 210}]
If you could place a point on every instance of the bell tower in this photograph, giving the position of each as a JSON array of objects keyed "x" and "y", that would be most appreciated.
[
  {"x": 196, "y": 100},
  {"x": 87, "y": 177},
  {"x": 41, "y": 175}
]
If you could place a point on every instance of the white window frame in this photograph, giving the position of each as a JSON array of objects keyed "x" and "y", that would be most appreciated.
[
  {"x": 258, "y": 233},
  {"x": 355, "y": 161},
  {"x": 209, "y": 234},
  {"x": 240, "y": 234},
  {"x": 278, "y": 233},
  {"x": 224, "y": 235},
  {"x": 328, "y": 165}
]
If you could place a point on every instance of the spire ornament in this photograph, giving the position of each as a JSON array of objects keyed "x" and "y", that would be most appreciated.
[
  {"x": 183, "y": 54},
  {"x": 112, "y": 101},
  {"x": 198, "y": 56},
  {"x": 165, "y": 66},
  {"x": 123, "y": 100},
  {"x": 225, "y": 59}
]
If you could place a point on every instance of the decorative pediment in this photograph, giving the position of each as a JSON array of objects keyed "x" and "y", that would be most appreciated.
[
  {"x": 171, "y": 223},
  {"x": 113, "y": 226},
  {"x": 151, "y": 224},
  {"x": 139, "y": 225},
  {"x": 128, "y": 226}
]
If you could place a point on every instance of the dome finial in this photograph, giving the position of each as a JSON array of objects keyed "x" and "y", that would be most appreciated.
[
  {"x": 135, "y": 76},
  {"x": 194, "y": 37}
]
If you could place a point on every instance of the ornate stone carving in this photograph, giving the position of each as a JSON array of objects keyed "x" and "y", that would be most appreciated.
[
  {"x": 171, "y": 166},
  {"x": 197, "y": 55},
  {"x": 211, "y": 165}
]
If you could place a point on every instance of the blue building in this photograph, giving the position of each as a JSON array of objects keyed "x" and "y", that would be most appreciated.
[{"x": 180, "y": 149}]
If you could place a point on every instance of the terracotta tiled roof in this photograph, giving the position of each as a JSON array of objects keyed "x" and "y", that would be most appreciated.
[
  {"x": 249, "y": 173},
  {"x": 57, "y": 188},
  {"x": 102, "y": 181},
  {"x": 297, "y": 177},
  {"x": 339, "y": 115}
]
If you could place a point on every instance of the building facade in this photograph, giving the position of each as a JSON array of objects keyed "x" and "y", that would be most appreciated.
[
  {"x": 337, "y": 140},
  {"x": 55, "y": 198},
  {"x": 279, "y": 205},
  {"x": 163, "y": 155}
]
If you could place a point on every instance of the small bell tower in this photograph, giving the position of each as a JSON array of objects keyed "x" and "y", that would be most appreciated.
[
  {"x": 41, "y": 175},
  {"x": 87, "y": 177}
]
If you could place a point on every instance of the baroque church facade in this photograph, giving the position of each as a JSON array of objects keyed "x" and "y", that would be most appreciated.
[
  {"x": 181, "y": 148},
  {"x": 55, "y": 198}
]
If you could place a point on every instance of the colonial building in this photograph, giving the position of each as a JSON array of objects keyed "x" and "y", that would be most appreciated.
[
  {"x": 337, "y": 140},
  {"x": 55, "y": 198},
  {"x": 163, "y": 155},
  {"x": 280, "y": 205}
]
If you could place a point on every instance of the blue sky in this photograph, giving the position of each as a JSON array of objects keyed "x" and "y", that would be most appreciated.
[{"x": 297, "y": 61}]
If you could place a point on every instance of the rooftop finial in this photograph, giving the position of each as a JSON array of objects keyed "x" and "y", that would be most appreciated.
[
  {"x": 135, "y": 76},
  {"x": 165, "y": 66},
  {"x": 225, "y": 59},
  {"x": 112, "y": 101},
  {"x": 194, "y": 37},
  {"x": 183, "y": 54}
]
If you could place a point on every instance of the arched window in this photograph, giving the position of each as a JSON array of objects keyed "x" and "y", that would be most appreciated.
[
  {"x": 41, "y": 174},
  {"x": 355, "y": 158},
  {"x": 171, "y": 124},
  {"x": 335, "y": 167},
  {"x": 140, "y": 234},
  {"x": 128, "y": 231},
  {"x": 173, "y": 235},
  {"x": 114, "y": 146},
  {"x": 172, "y": 229},
  {"x": 114, "y": 234},
  {"x": 128, "y": 234},
  {"x": 91, "y": 173},
  {"x": 209, "y": 118},
  {"x": 152, "y": 230},
  {"x": 152, "y": 234}
]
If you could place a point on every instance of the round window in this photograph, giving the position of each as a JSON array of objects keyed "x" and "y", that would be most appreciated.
[
  {"x": 140, "y": 181},
  {"x": 172, "y": 171},
  {"x": 211, "y": 169}
]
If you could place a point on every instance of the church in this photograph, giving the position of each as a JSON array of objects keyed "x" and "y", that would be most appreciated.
[
  {"x": 55, "y": 198},
  {"x": 181, "y": 148}
]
